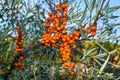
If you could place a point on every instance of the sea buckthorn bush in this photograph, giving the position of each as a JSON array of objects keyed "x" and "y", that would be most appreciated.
[{"x": 59, "y": 40}]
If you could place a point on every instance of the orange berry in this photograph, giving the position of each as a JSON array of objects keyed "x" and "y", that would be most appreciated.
[
  {"x": 64, "y": 19},
  {"x": 76, "y": 37},
  {"x": 71, "y": 41},
  {"x": 91, "y": 24},
  {"x": 83, "y": 29},
  {"x": 21, "y": 57},
  {"x": 16, "y": 64},
  {"x": 64, "y": 15},
  {"x": 0, "y": 59},
  {"x": 63, "y": 39},
  {"x": 58, "y": 5},
  {"x": 72, "y": 64},
  {"x": 58, "y": 28},
  {"x": 74, "y": 46},
  {"x": 93, "y": 34},
  {"x": 58, "y": 15},
  {"x": 93, "y": 28},
  {"x": 58, "y": 8},
  {"x": 18, "y": 69},
  {"x": 70, "y": 35},
  {"x": 17, "y": 28},
  {"x": 65, "y": 10},
  {"x": 1, "y": 69},
  {"x": 64, "y": 31},
  {"x": 72, "y": 72},
  {"x": 88, "y": 31},
  {"x": 49, "y": 13},
  {"x": 64, "y": 22},
  {"x": 65, "y": 5},
  {"x": 53, "y": 45},
  {"x": 62, "y": 26}
]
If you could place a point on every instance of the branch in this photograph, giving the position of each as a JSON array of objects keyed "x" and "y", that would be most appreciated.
[
  {"x": 27, "y": 49},
  {"x": 99, "y": 12}
]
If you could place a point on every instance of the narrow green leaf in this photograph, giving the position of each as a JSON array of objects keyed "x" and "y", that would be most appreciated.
[
  {"x": 102, "y": 47},
  {"x": 97, "y": 61},
  {"x": 83, "y": 17},
  {"x": 93, "y": 5},
  {"x": 102, "y": 35},
  {"x": 87, "y": 5},
  {"x": 104, "y": 64},
  {"x": 109, "y": 17}
]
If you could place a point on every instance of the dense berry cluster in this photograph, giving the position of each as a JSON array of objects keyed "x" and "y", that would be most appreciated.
[
  {"x": 19, "y": 48},
  {"x": 19, "y": 39},
  {"x": 56, "y": 35}
]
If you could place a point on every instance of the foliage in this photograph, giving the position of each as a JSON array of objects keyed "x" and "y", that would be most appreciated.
[{"x": 95, "y": 56}]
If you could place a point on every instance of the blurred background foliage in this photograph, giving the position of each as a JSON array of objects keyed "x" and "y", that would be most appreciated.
[{"x": 95, "y": 58}]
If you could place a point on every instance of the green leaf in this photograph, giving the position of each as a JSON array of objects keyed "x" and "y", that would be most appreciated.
[
  {"x": 97, "y": 61},
  {"x": 102, "y": 35},
  {"x": 76, "y": 15},
  {"x": 109, "y": 17},
  {"x": 104, "y": 64},
  {"x": 102, "y": 47},
  {"x": 93, "y": 5},
  {"x": 83, "y": 17},
  {"x": 87, "y": 5}
]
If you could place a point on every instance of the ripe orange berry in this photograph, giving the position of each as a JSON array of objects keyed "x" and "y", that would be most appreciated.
[
  {"x": 58, "y": 28},
  {"x": 64, "y": 31},
  {"x": 58, "y": 5},
  {"x": 49, "y": 13},
  {"x": 58, "y": 8},
  {"x": 72, "y": 64},
  {"x": 58, "y": 15},
  {"x": 74, "y": 46},
  {"x": 65, "y": 10},
  {"x": 64, "y": 15},
  {"x": 93, "y": 28},
  {"x": 64, "y": 22},
  {"x": 83, "y": 29},
  {"x": 62, "y": 26},
  {"x": 21, "y": 57},
  {"x": 91, "y": 24},
  {"x": 88, "y": 31},
  {"x": 76, "y": 37},
  {"x": 72, "y": 72},
  {"x": 93, "y": 34},
  {"x": 0, "y": 59},
  {"x": 71, "y": 41},
  {"x": 16, "y": 64},
  {"x": 71, "y": 35}
]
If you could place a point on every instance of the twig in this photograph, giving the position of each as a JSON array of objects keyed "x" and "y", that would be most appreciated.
[
  {"x": 16, "y": 58},
  {"x": 99, "y": 12}
]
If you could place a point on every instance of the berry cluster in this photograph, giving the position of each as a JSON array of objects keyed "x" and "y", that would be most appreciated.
[
  {"x": 69, "y": 66},
  {"x": 91, "y": 30},
  {"x": 19, "y": 39},
  {"x": 56, "y": 35},
  {"x": 19, "y": 48}
]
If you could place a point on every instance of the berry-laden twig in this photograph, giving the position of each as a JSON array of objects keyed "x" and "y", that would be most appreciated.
[
  {"x": 16, "y": 58},
  {"x": 56, "y": 35},
  {"x": 16, "y": 63},
  {"x": 19, "y": 48}
]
